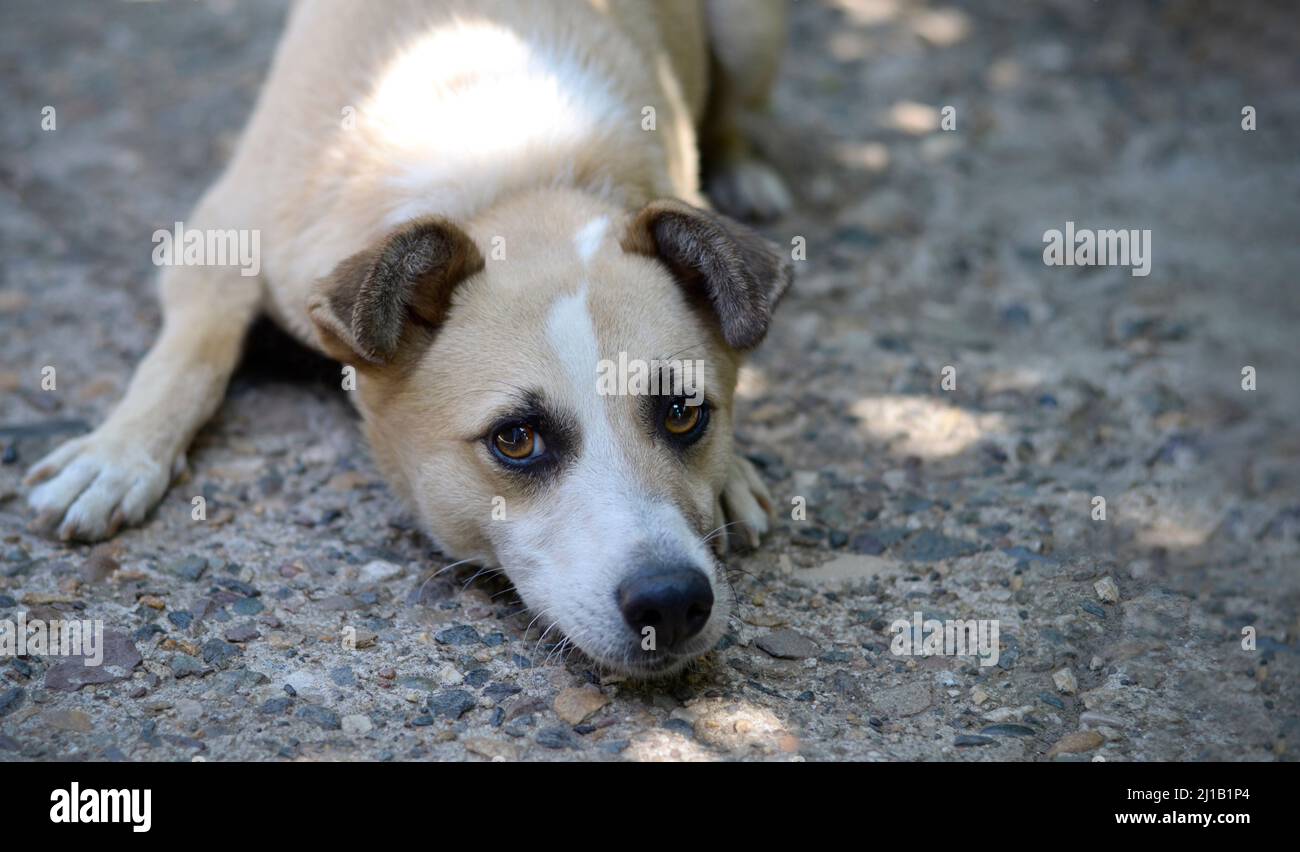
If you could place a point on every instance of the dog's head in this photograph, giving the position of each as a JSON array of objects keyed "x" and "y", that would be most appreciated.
[{"x": 550, "y": 386}]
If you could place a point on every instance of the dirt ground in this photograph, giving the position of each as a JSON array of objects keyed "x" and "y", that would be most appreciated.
[{"x": 1120, "y": 639}]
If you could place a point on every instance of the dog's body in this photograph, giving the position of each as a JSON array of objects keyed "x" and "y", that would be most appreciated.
[{"x": 473, "y": 203}]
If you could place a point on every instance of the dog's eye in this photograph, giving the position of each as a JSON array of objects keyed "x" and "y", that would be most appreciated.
[
  {"x": 684, "y": 422},
  {"x": 518, "y": 442}
]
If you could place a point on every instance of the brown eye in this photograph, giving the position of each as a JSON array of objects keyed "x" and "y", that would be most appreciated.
[
  {"x": 681, "y": 418},
  {"x": 517, "y": 442}
]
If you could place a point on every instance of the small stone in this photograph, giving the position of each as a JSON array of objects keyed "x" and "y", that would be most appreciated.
[
  {"x": 275, "y": 706},
  {"x": 1008, "y": 731},
  {"x": 11, "y": 699},
  {"x": 380, "y": 571},
  {"x": 99, "y": 566},
  {"x": 247, "y": 606},
  {"x": 499, "y": 692},
  {"x": 787, "y": 645},
  {"x": 978, "y": 695},
  {"x": 242, "y": 633},
  {"x": 324, "y": 717},
  {"x": 356, "y": 725},
  {"x": 929, "y": 545},
  {"x": 1107, "y": 590},
  {"x": 1076, "y": 743},
  {"x": 217, "y": 651},
  {"x": 452, "y": 704},
  {"x": 460, "y": 634},
  {"x": 152, "y": 601},
  {"x": 188, "y": 709},
  {"x": 575, "y": 705},
  {"x": 70, "y": 720},
  {"x": 366, "y": 638},
  {"x": 71, "y": 673},
  {"x": 1093, "y": 609},
  {"x": 1065, "y": 682},
  {"x": 902, "y": 701},
  {"x": 558, "y": 738},
  {"x": 867, "y": 543},
  {"x": 969, "y": 740},
  {"x": 191, "y": 568},
  {"x": 183, "y": 665},
  {"x": 491, "y": 749},
  {"x": 1091, "y": 717}
]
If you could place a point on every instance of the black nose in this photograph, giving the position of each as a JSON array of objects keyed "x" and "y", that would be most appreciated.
[{"x": 675, "y": 602}]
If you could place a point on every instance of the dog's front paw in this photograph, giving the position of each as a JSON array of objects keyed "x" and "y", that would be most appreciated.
[
  {"x": 747, "y": 188},
  {"x": 87, "y": 488},
  {"x": 743, "y": 509}
]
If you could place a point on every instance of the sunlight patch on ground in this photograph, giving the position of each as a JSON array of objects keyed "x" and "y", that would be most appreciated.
[{"x": 923, "y": 426}]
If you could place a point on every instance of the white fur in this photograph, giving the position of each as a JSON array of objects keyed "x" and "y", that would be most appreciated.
[
  {"x": 589, "y": 237},
  {"x": 470, "y": 112}
]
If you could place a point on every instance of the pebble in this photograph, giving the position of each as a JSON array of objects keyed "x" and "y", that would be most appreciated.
[
  {"x": 968, "y": 740},
  {"x": 1008, "y": 731},
  {"x": 866, "y": 543},
  {"x": 787, "y": 645},
  {"x": 247, "y": 606},
  {"x": 99, "y": 566},
  {"x": 11, "y": 699},
  {"x": 492, "y": 749},
  {"x": 452, "y": 704},
  {"x": 191, "y": 568},
  {"x": 219, "y": 651},
  {"x": 557, "y": 738},
  {"x": 901, "y": 701},
  {"x": 380, "y": 571},
  {"x": 932, "y": 546},
  {"x": 1091, "y": 717},
  {"x": 323, "y": 717},
  {"x": 1092, "y": 609},
  {"x": 183, "y": 665},
  {"x": 242, "y": 633},
  {"x": 356, "y": 725},
  {"x": 1076, "y": 743},
  {"x": 460, "y": 634},
  {"x": 1107, "y": 590},
  {"x": 70, "y": 720},
  {"x": 275, "y": 706},
  {"x": 575, "y": 705},
  {"x": 498, "y": 692},
  {"x": 120, "y": 659},
  {"x": 1065, "y": 682}
]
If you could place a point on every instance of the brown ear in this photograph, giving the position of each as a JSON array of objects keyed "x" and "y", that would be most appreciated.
[
  {"x": 740, "y": 274},
  {"x": 399, "y": 286}
]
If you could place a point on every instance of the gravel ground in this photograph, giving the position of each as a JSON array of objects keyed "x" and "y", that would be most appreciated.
[{"x": 924, "y": 251}]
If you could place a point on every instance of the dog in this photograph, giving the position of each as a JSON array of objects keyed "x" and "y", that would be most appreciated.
[{"x": 472, "y": 204}]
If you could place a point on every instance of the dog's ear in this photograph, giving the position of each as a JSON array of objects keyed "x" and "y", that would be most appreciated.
[
  {"x": 738, "y": 273},
  {"x": 399, "y": 287}
]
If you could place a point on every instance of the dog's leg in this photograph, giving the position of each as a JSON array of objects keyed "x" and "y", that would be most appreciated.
[
  {"x": 744, "y": 506},
  {"x": 746, "y": 39},
  {"x": 91, "y": 485}
]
